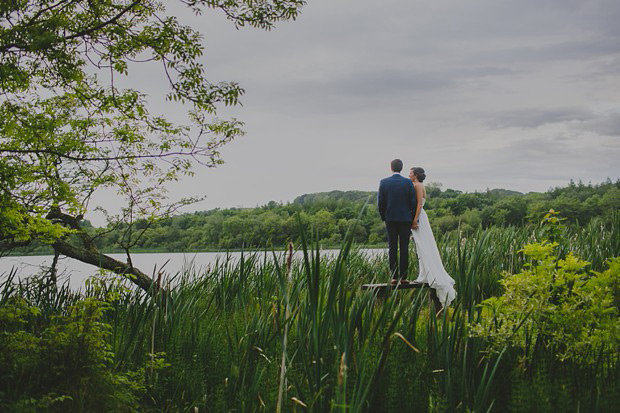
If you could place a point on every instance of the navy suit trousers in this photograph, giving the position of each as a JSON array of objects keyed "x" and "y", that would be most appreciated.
[{"x": 398, "y": 236}]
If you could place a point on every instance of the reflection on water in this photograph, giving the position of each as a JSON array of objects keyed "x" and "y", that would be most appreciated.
[{"x": 150, "y": 263}]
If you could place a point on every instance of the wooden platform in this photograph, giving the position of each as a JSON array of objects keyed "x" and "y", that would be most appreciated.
[
  {"x": 383, "y": 289},
  {"x": 388, "y": 286}
]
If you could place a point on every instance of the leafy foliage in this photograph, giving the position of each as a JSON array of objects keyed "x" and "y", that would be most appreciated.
[
  {"x": 62, "y": 363},
  {"x": 556, "y": 303}
]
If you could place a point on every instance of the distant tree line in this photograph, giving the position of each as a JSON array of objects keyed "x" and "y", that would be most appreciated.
[{"x": 328, "y": 216}]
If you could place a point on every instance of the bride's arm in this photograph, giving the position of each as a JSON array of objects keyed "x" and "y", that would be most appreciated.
[{"x": 419, "y": 190}]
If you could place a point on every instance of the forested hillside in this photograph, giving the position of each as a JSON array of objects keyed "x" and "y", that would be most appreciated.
[{"x": 331, "y": 214}]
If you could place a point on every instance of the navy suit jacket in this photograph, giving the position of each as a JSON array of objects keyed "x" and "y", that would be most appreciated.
[{"x": 396, "y": 199}]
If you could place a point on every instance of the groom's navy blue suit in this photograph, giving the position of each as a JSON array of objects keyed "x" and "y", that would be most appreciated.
[{"x": 397, "y": 205}]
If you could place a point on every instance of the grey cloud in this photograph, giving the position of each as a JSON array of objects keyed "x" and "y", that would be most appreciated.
[
  {"x": 602, "y": 16},
  {"x": 387, "y": 83},
  {"x": 610, "y": 67},
  {"x": 537, "y": 148},
  {"x": 535, "y": 117},
  {"x": 390, "y": 83},
  {"x": 483, "y": 71},
  {"x": 572, "y": 50},
  {"x": 348, "y": 90},
  {"x": 608, "y": 124},
  {"x": 602, "y": 124},
  {"x": 525, "y": 32},
  {"x": 526, "y": 53},
  {"x": 553, "y": 158}
]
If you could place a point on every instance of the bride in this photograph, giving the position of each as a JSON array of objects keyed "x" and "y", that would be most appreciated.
[{"x": 432, "y": 271}]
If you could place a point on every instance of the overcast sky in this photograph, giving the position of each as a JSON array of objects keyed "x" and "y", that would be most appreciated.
[{"x": 522, "y": 95}]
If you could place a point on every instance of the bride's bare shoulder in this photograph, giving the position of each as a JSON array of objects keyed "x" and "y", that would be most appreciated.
[{"x": 419, "y": 186}]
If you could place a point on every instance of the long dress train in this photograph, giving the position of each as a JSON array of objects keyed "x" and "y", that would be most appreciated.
[{"x": 432, "y": 271}]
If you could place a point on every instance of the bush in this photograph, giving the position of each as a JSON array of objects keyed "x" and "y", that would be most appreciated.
[
  {"x": 62, "y": 363},
  {"x": 557, "y": 304}
]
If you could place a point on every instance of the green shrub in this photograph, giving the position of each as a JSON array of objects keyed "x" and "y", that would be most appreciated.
[
  {"x": 556, "y": 304},
  {"x": 62, "y": 363}
]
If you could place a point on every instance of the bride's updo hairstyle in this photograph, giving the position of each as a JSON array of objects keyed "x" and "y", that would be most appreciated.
[{"x": 419, "y": 173}]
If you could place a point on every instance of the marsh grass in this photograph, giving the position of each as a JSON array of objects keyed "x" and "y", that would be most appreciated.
[{"x": 244, "y": 334}]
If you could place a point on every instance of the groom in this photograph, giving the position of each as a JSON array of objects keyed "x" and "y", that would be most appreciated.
[{"x": 397, "y": 205}]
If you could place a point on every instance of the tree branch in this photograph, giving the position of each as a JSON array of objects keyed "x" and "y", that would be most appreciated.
[
  {"x": 91, "y": 254},
  {"x": 103, "y": 24},
  {"x": 103, "y": 158},
  {"x": 100, "y": 260}
]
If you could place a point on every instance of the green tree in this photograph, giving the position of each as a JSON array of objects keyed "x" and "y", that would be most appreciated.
[
  {"x": 67, "y": 130},
  {"x": 610, "y": 201},
  {"x": 324, "y": 223}
]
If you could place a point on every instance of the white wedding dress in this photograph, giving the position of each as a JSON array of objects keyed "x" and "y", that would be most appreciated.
[{"x": 432, "y": 271}]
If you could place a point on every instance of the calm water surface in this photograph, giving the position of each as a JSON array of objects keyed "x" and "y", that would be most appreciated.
[{"x": 171, "y": 263}]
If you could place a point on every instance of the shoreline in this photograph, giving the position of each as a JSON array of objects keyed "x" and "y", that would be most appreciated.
[{"x": 164, "y": 251}]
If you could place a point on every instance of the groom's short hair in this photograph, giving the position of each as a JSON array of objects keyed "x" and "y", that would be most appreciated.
[{"x": 396, "y": 165}]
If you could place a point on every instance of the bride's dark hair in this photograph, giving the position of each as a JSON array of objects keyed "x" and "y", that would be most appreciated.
[{"x": 419, "y": 173}]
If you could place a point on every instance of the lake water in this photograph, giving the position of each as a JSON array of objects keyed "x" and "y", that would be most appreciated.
[{"x": 171, "y": 263}]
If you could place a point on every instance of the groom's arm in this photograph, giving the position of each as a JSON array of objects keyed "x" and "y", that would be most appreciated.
[
  {"x": 381, "y": 201},
  {"x": 413, "y": 202}
]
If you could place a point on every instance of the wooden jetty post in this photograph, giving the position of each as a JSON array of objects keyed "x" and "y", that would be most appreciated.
[{"x": 383, "y": 289}]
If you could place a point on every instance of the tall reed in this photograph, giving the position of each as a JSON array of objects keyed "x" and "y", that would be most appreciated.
[{"x": 218, "y": 338}]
